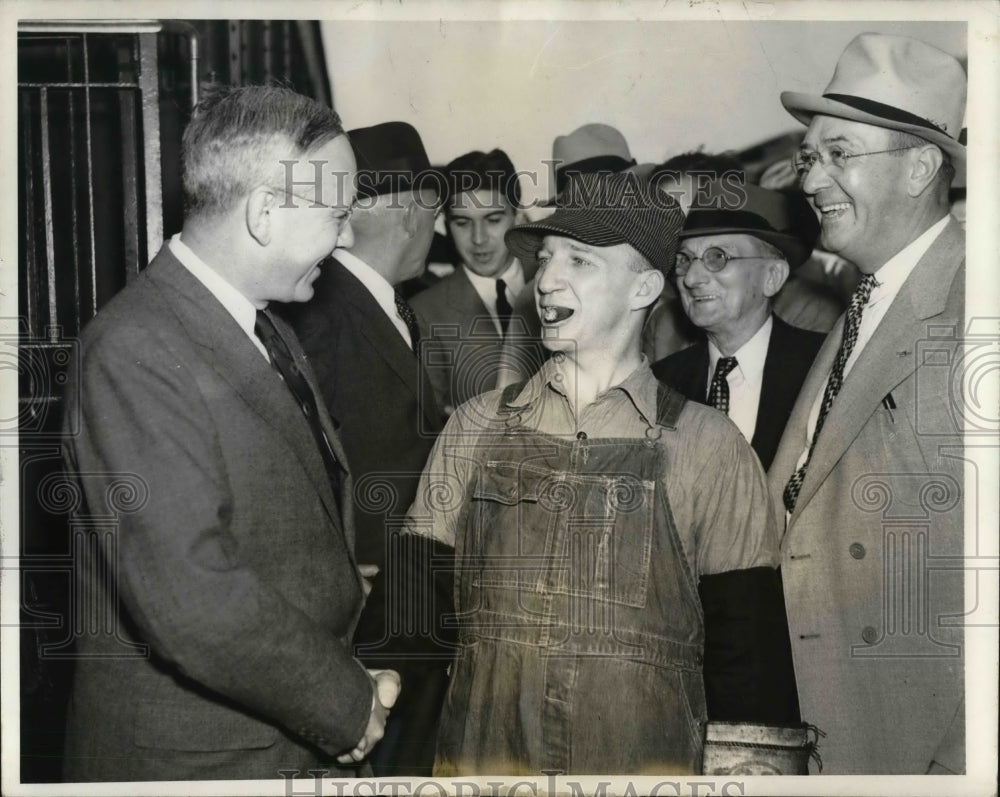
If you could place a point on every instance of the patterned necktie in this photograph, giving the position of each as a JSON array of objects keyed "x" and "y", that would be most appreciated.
[
  {"x": 504, "y": 310},
  {"x": 284, "y": 363},
  {"x": 718, "y": 393},
  {"x": 408, "y": 317},
  {"x": 851, "y": 325}
]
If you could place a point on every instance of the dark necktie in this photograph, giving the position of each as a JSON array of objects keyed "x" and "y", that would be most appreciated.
[
  {"x": 851, "y": 325},
  {"x": 408, "y": 317},
  {"x": 718, "y": 393},
  {"x": 504, "y": 310},
  {"x": 284, "y": 363}
]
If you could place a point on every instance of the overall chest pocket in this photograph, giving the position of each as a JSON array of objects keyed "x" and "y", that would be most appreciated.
[{"x": 563, "y": 533}]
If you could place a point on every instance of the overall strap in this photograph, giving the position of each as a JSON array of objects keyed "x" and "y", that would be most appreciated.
[{"x": 669, "y": 404}]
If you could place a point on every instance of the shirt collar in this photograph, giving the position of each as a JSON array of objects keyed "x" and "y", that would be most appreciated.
[
  {"x": 750, "y": 356},
  {"x": 378, "y": 286},
  {"x": 513, "y": 276},
  {"x": 640, "y": 387},
  {"x": 897, "y": 268},
  {"x": 238, "y": 305}
]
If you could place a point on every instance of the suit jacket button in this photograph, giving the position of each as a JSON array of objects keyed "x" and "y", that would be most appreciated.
[
  {"x": 869, "y": 634},
  {"x": 857, "y": 550}
]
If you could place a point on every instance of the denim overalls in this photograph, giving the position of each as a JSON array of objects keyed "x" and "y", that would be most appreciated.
[{"x": 581, "y": 630}]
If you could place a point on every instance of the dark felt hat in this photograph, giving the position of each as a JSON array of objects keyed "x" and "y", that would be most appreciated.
[
  {"x": 606, "y": 210},
  {"x": 391, "y": 158},
  {"x": 786, "y": 221}
]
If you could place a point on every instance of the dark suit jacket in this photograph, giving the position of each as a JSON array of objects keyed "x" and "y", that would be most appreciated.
[
  {"x": 790, "y": 353},
  {"x": 386, "y": 410},
  {"x": 461, "y": 348},
  {"x": 223, "y": 554}
]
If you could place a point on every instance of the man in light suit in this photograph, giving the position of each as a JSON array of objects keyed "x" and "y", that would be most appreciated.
[
  {"x": 737, "y": 247},
  {"x": 464, "y": 318},
  {"x": 362, "y": 340},
  {"x": 231, "y": 573},
  {"x": 869, "y": 470}
]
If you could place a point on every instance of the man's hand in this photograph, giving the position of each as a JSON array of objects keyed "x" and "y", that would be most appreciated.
[
  {"x": 387, "y": 687},
  {"x": 368, "y": 572}
]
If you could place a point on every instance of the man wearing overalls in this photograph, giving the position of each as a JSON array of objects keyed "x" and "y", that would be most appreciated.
[{"x": 601, "y": 526}]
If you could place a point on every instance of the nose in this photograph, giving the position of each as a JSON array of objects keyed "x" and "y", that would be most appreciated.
[
  {"x": 345, "y": 239},
  {"x": 478, "y": 233},
  {"x": 696, "y": 274},
  {"x": 549, "y": 277},
  {"x": 815, "y": 180}
]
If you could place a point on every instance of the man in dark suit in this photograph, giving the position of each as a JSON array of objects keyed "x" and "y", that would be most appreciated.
[
  {"x": 464, "y": 318},
  {"x": 231, "y": 572},
  {"x": 738, "y": 245},
  {"x": 361, "y": 338}
]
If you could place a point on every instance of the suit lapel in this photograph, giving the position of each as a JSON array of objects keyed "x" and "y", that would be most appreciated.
[
  {"x": 469, "y": 307},
  {"x": 777, "y": 391},
  {"x": 236, "y": 360},
  {"x": 888, "y": 359}
]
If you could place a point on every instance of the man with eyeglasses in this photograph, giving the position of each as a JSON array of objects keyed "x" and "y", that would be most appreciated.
[
  {"x": 226, "y": 558},
  {"x": 736, "y": 249},
  {"x": 869, "y": 473},
  {"x": 362, "y": 339}
]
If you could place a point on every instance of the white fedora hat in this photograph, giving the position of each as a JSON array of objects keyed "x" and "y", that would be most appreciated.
[
  {"x": 894, "y": 82},
  {"x": 590, "y": 149}
]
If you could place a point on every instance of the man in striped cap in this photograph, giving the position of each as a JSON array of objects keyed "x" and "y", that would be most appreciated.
[{"x": 606, "y": 531}]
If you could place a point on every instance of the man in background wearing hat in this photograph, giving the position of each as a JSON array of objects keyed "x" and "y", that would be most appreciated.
[
  {"x": 876, "y": 638},
  {"x": 607, "y": 532},
  {"x": 593, "y": 148},
  {"x": 465, "y": 317},
  {"x": 736, "y": 250},
  {"x": 361, "y": 338}
]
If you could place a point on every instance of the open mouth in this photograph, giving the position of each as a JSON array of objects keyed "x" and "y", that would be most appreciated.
[
  {"x": 834, "y": 211},
  {"x": 482, "y": 257},
  {"x": 555, "y": 314}
]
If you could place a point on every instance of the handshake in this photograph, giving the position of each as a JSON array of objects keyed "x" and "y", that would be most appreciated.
[{"x": 387, "y": 686}]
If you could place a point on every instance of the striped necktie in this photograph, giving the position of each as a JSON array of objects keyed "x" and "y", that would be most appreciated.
[{"x": 851, "y": 325}]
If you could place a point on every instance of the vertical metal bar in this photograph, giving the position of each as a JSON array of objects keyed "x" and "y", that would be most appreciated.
[
  {"x": 28, "y": 200},
  {"x": 90, "y": 179},
  {"x": 268, "y": 49},
  {"x": 150, "y": 88},
  {"x": 235, "y": 53},
  {"x": 130, "y": 182},
  {"x": 50, "y": 246},
  {"x": 286, "y": 28},
  {"x": 74, "y": 213}
]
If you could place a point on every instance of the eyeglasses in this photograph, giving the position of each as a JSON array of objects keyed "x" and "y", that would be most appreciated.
[
  {"x": 833, "y": 158},
  {"x": 714, "y": 259},
  {"x": 315, "y": 203}
]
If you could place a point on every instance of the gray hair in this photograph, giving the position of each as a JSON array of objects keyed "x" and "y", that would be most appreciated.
[{"x": 237, "y": 137}]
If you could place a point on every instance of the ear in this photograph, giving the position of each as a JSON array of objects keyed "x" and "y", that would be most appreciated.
[
  {"x": 925, "y": 166},
  {"x": 776, "y": 273},
  {"x": 259, "y": 214},
  {"x": 410, "y": 218},
  {"x": 648, "y": 288}
]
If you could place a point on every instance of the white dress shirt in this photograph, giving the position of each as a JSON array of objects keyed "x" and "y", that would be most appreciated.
[
  {"x": 486, "y": 287},
  {"x": 745, "y": 379},
  {"x": 378, "y": 286},
  {"x": 890, "y": 278},
  {"x": 237, "y": 305}
]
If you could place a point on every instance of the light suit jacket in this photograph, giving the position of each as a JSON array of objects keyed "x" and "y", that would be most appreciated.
[
  {"x": 873, "y": 595},
  {"x": 219, "y": 551}
]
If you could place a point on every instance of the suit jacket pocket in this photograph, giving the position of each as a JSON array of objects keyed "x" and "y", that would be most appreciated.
[{"x": 202, "y": 728}]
